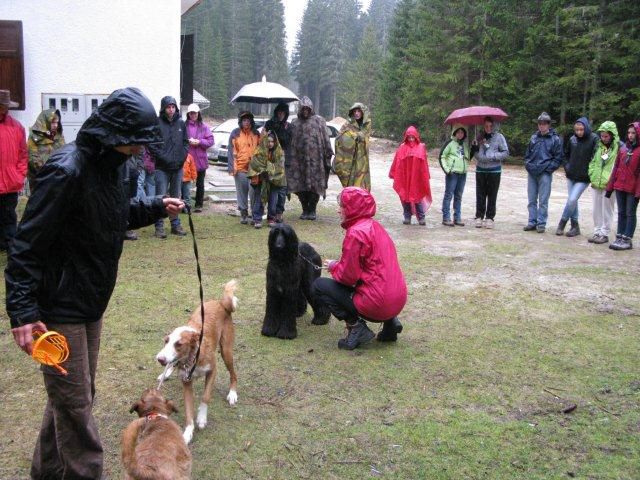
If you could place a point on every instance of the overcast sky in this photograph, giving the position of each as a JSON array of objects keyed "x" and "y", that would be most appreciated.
[{"x": 293, "y": 11}]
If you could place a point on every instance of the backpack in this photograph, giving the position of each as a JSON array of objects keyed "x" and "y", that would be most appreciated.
[{"x": 444, "y": 145}]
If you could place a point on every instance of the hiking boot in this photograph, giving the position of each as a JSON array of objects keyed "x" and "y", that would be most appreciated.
[
  {"x": 130, "y": 235},
  {"x": 540, "y": 228},
  {"x": 459, "y": 223},
  {"x": 574, "y": 231},
  {"x": 592, "y": 238},
  {"x": 616, "y": 243},
  {"x": 257, "y": 224},
  {"x": 422, "y": 222},
  {"x": 197, "y": 208},
  {"x": 278, "y": 218},
  {"x": 304, "y": 215},
  {"x": 244, "y": 217},
  {"x": 160, "y": 233},
  {"x": 271, "y": 222},
  {"x": 448, "y": 223},
  {"x": 625, "y": 243},
  {"x": 561, "y": 224},
  {"x": 358, "y": 335},
  {"x": 600, "y": 239},
  {"x": 479, "y": 223},
  {"x": 406, "y": 221},
  {"x": 390, "y": 330},
  {"x": 178, "y": 230},
  {"x": 529, "y": 227},
  {"x": 488, "y": 223}
]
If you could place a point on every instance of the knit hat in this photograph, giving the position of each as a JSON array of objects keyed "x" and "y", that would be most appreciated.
[
  {"x": 5, "y": 99},
  {"x": 544, "y": 117}
]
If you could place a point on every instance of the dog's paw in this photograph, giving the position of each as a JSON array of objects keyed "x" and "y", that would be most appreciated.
[
  {"x": 320, "y": 321},
  {"x": 268, "y": 332},
  {"x": 232, "y": 398},
  {"x": 188, "y": 434},
  {"x": 202, "y": 416},
  {"x": 287, "y": 334}
]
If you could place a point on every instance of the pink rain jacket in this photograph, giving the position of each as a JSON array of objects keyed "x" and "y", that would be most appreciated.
[{"x": 369, "y": 261}]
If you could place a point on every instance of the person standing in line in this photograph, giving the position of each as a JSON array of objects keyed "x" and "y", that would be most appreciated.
[
  {"x": 45, "y": 137},
  {"x": 279, "y": 125},
  {"x": 579, "y": 151},
  {"x": 13, "y": 168},
  {"x": 454, "y": 161},
  {"x": 542, "y": 158},
  {"x": 243, "y": 142},
  {"x": 625, "y": 181},
  {"x": 169, "y": 158},
  {"x": 351, "y": 162},
  {"x": 63, "y": 264},
  {"x": 200, "y": 139},
  {"x": 599, "y": 172},
  {"x": 410, "y": 174},
  {"x": 311, "y": 152},
  {"x": 490, "y": 150}
]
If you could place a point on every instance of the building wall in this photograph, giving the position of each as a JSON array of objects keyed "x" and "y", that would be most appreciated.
[{"x": 95, "y": 47}]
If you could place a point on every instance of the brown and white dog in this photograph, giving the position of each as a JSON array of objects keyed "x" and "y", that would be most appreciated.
[
  {"x": 152, "y": 445},
  {"x": 180, "y": 351}
]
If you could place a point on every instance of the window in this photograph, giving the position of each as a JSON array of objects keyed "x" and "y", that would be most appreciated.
[{"x": 12, "y": 60}]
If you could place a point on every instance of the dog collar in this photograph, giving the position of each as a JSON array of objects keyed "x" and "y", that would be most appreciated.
[{"x": 155, "y": 416}]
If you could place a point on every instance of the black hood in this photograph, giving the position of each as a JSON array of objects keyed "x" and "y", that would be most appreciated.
[
  {"x": 587, "y": 127},
  {"x": 126, "y": 117},
  {"x": 249, "y": 115},
  {"x": 168, "y": 100},
  {"x": 281, "y": 107}
]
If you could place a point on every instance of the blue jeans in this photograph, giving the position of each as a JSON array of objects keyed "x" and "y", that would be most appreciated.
[
  {"x": 575, "y": 190},
  {"x": 406, "y": 209},
  {"x": 627, "y": 207},
  {"x": 169, "y": 183},
  {"x": 186, "y": 193},
  {"x": 454, "y": 186},
  {"x": 272, "y": 205},
  {"x": 539, "y": 191},
  {"x": 141, "y": 194},
  {"x": 150, "y": 184}
]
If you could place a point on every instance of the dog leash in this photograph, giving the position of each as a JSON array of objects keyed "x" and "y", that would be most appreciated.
[
  {"x": 199, "y": 271},
  {"x": 315, "y": 267}
]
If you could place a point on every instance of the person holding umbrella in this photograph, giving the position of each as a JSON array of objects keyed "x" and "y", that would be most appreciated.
[{"x": 490, "y": 149}]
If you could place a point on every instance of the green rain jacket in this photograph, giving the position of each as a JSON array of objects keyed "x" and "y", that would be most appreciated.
[
  {"x": 351, "y": 162},
  {"x": 41, "y": 145},
  {"x": 268, "y": 167},
  {"x": 455, "y": 156},
  {"x": 604, "y": 159}
]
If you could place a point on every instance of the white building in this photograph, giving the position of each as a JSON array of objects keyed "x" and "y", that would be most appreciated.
[{"x": 74, "y": 53}]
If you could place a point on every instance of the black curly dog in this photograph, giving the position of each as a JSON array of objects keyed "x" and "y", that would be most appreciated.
[{"x": 290, "y": 274}]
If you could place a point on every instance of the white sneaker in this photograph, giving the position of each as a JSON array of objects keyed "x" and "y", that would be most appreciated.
[
  {"x": 488, "y": 223},
  {"x": 479, "y": 223}
]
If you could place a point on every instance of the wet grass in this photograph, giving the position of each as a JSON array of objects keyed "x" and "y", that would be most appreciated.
[{"x": 475, "y": 388}]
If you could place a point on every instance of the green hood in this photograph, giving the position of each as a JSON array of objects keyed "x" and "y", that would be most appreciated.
[
  {"x": 600, "y": 167},
  {"x": 42, "y": 126},
  {"x": 365, "y": 113},
  {"x": 457, "y": 126}
]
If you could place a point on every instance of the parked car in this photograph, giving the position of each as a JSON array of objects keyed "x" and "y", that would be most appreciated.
[{"x": 218, "y": 152}]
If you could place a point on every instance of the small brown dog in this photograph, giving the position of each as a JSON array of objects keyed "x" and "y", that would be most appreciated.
[
  {"x": 152, "y": 445},
  {"x": 180, "y": 351}
]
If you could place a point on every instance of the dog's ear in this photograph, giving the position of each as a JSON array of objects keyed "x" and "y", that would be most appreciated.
[
  {"x": 171, "y": 407},
  {"x": 135, "y": 407}
]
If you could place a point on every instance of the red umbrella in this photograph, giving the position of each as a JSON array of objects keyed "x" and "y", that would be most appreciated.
[{"x": 475, "y": 115}]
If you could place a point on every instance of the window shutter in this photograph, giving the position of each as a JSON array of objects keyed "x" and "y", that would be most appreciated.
[{"x": 12, "y": 61}]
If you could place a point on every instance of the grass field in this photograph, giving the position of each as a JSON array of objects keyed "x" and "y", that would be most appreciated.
[{"x": 503, "y": 331}]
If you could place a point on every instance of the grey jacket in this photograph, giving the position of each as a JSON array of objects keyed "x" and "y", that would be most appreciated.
[{"x": 490, "y": 155}]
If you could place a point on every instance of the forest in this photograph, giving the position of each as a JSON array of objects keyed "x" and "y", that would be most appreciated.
[{"x": 414, "y": 61}]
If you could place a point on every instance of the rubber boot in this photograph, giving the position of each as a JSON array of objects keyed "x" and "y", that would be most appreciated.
[
  {"x": 561, "y": 225},
  {"x": 574, "y": 231}
]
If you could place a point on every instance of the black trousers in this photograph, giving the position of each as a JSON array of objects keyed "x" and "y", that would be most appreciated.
[
  {"x": 309, "y": 201},
  {"x": 487, "y": 185},
  {"x": 200, "y": 188},
  {"x": 337, "y": 297},
  {"x": 8, "y": 218}
]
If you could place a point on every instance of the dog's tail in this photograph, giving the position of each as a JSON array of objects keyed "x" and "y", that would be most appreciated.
[{"x": 229, "y": 301}]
